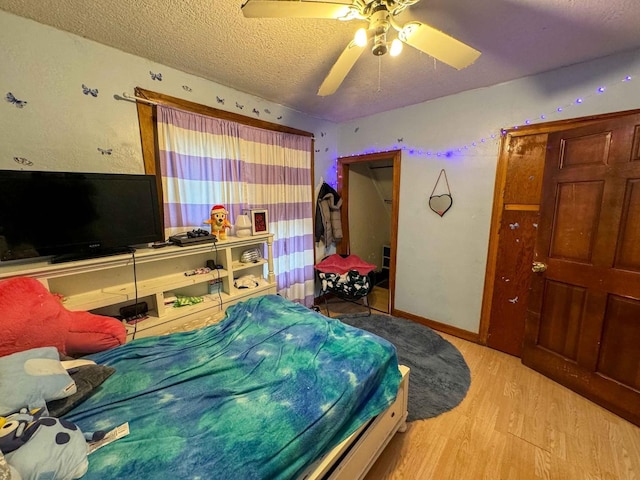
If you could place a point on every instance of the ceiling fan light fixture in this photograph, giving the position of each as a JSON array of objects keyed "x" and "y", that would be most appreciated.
[
  {"x": 380, "y": 45},
  {"x": 380, "y": 15},
  {"x": 360, "y": 37},
  {"x": 396, "y": 48},
  {"x": 352, "y": 14}
]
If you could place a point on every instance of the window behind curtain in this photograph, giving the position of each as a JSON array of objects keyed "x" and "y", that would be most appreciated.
[{"x": 206, "y": 161}]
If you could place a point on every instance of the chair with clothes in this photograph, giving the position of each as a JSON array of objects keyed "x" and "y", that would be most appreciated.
[{"x": 346, "y": 277}]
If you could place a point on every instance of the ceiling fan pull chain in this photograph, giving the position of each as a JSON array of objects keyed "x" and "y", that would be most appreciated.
[{"x": 379, "y": 73}]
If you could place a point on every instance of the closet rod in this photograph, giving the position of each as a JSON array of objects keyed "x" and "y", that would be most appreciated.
[
  {"x": 126, "y": 96},
  {"x": 386, "y": 166}
]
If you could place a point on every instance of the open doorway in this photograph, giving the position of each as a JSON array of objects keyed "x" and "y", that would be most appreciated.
[{"x": 369, "y": 186}]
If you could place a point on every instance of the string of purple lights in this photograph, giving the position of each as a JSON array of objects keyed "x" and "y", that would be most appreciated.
[{"x": 492, "y": 136}]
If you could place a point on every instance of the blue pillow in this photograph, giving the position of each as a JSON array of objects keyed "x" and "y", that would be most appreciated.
[{"x": 31, "y": 378}]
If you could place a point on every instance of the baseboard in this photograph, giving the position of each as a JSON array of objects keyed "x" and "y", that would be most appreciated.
[{"x": 440, "y": 327}]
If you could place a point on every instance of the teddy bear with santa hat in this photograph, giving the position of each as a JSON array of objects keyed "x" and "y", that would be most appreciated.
[{"x": 218, "y": 221}]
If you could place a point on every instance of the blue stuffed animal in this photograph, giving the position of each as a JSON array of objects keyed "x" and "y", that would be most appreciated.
[{"x": 38, "y": 446}]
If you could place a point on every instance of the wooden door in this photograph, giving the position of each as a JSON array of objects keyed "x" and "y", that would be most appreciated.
[
  {"x": 517, "y": 205},
  {"x": 583, "y": 322}
]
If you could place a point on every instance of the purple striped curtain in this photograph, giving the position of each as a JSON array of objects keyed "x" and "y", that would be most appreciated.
[{"x": 207, "y": 161}]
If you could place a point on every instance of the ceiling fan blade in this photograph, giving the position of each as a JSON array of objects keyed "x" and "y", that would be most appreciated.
[
  {"x": 297, "y": 9},
  {"x": 439, "y": 45},
  {"x": 340, "y": 69}
]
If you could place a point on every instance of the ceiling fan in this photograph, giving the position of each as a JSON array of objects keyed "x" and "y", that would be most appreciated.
[{"x": 380, "y": 14}]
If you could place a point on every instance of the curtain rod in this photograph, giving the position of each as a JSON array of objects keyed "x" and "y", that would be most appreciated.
[{"x": 126, "y": 96}]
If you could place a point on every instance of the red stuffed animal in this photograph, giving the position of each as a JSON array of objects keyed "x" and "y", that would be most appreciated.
[{"x": 31, "y": 317}]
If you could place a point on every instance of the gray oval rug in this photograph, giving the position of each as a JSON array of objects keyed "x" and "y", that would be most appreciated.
[{"x": 439, "y": 378}]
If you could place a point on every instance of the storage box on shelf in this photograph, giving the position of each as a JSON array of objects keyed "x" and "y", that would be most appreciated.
[{"x": 104, "y": 285}]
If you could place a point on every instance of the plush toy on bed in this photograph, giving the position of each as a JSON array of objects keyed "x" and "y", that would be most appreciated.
[
  {"x": 31, "y": 317},
  {"x": 37, "y": 446},
  {"x": 219, "y": 222}
]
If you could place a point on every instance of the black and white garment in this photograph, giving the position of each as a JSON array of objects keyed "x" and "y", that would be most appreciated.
[{"x": 350, "y": 284}]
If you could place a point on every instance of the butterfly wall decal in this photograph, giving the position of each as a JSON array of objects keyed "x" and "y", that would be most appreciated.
[
  {"x": 187, "y": 88},
  {"x": 256, "y": 111},
  {"x": 155, "y": 76},
  {"x": 239, "y": 106},
  {"x": 89, "y": 91},
  {"x": 220, "y": 100},
  {"x": 11, "y": 99},
  {"x": 107, "y": 151},
  {"x": 23, "y": 161}
]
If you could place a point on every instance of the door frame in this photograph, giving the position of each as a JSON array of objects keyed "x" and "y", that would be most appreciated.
[
  {"x": 343, "y": 247},
  {"x": 498, "y": 200}
]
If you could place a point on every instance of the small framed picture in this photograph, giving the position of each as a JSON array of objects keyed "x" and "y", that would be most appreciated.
[{"x": 259, "y": 221}]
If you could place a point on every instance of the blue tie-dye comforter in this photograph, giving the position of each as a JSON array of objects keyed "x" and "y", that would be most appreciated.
[{"x": 260, "y": 395}]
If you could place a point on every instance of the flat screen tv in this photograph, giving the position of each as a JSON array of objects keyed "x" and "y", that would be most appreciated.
[{"x": 76, "y": 215}]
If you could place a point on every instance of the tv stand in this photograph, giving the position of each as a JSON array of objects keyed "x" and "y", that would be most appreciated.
[
  {"x": 87, "y": 254},
  {"x": 106, "y": 284}
]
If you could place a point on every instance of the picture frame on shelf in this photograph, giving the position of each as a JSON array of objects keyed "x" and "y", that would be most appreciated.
[{"x": 259, "y": 221}]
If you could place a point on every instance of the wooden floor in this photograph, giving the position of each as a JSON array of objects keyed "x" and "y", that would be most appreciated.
[
  {"x": 378, "y": 299},
  {"x": 514, "y": 424}
]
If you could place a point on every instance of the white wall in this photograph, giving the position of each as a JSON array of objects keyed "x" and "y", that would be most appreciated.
[
  {"x": 441, "y": 260},
  {"x": 61, "y": 128}
]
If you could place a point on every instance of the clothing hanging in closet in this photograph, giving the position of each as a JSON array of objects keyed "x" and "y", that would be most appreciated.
[{"x": 328, "y": 223}]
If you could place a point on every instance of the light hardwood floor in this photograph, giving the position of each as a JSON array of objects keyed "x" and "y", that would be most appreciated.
[{"x": 514, "y": 424}]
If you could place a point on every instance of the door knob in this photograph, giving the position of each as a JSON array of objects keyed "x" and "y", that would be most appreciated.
[{"x": 539, "y": 267}]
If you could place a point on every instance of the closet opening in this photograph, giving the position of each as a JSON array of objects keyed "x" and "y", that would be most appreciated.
[{"x": 369, "y": 186}]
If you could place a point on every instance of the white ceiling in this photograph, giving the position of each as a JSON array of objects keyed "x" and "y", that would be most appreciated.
[{"x": 285, "y": 60}]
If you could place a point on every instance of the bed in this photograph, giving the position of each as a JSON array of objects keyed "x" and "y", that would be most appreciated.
[{"x": 274, "y": 391}]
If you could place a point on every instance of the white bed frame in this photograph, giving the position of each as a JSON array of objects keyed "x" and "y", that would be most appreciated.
[{"x": 352, "y": 459}]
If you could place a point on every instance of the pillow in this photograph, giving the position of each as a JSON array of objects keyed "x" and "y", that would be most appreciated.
[
  {"x": 87, "y": 378},
  {"x": 48, "y": 448},
  {"x": 338, "y": 264},
  {"x": 31, "y": 317},
  {"x": 30, "y": 378}
]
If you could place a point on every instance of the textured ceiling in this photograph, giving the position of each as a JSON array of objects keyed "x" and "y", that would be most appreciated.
[{"x": 285, "y": 60}]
